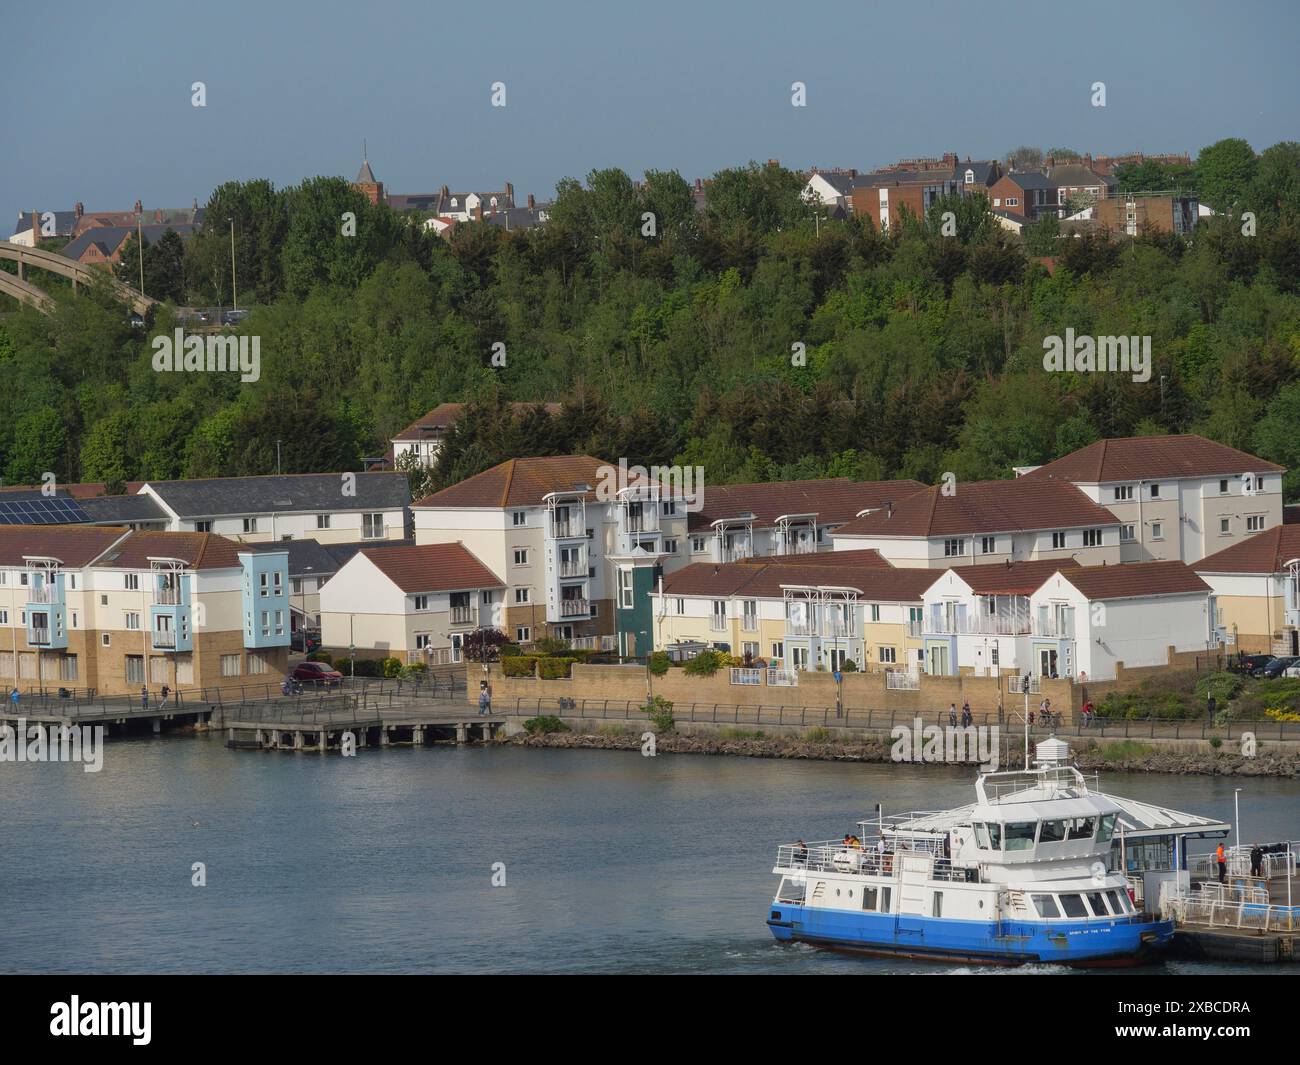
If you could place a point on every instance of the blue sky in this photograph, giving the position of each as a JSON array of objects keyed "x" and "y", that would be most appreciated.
[{"x": 95, "y": 98}]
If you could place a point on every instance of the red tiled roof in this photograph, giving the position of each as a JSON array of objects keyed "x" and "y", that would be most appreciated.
[
  {"x": 444, "y": 415},
  {"x": 1265, "y": 552},
  {"x": 1132, "y": 580},
  {"x": 432, "y": 567},
  {"x": 1018, "y": 578},
  {"x": 520, "y": 482},
  {"x": 196, "y": 550},
  {"x": 833, "y": 500},
  {"x": 73, "y": 545},
  {"x": 766, "y": 579},
  {"x": 984, "y": 507},
  {"x": 1142, "y": 458}
]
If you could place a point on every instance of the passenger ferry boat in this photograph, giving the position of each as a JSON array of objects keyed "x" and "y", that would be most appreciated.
[{"x": 1021, "y": 875}]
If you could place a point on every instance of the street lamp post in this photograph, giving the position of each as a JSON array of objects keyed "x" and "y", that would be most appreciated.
[
  {"x": 139, "y": 247},
  {"x": 234, "y": 291}
]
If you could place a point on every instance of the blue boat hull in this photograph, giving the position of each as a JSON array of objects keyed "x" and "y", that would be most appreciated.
[{"x": 1080, "y": 943}]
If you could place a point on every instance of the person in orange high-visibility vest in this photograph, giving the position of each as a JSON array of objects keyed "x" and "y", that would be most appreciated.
[{"x": 1223, "y": 864}]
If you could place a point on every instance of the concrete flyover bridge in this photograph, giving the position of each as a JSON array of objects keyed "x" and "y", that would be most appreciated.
[{"x": 26, "y": 292}]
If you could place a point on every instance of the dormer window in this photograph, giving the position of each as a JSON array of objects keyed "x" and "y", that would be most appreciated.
[{"x": 970, "y": 177}]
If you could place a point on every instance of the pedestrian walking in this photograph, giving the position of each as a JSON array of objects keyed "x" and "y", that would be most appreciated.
[
  {"x": 13, "y": 696},
  {"x": 952, "y": 714},
  {"x": 965, "y": 714},
  {"x": 484, "y": 698},
  {"x": 144, "y": 697}
]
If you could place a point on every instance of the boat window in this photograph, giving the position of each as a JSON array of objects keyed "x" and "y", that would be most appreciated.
[
  {"x": 885, "y": 896},
  {"x": 869, "y": 898},
  {"x": 982, "y": 836},
  {"x": 1116, "y": 905},
  {"x": 995, "y": 836},
  {"x": 1020, "y": 835},
  {"x": 1098, "y": 904},
  {"x": 1082, "y": 827},
  {"x": 1046, "y": 906},
  {"x": 1053, "y": 832},
  {"x": 790, "y": 891},
  {"x": 1107, "y": 829},
  {"x": 936, "y": 907},
  {"x": 1073, "y": 906}
]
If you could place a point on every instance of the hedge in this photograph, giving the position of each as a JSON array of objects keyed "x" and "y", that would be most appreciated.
[
  {"x": 519, "y": 665},
  {"x": 554, "y": 668}
]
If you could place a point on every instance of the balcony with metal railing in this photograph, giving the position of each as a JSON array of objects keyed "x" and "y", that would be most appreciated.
[
  {"x": 38, "y": 636},
  {"x": 44, "y": 595},
  {"x": 463, "y": 615},
  {"x": 165, "y": 639},
  {"x": 977, "y": 625},
  {"x": 573, "y": 567},
  {"x": 567, "y": 529},
  {"x": 167, "y": 597},
  {"x": 575, "y": 608},
  {"x": 717, "y": 623}
]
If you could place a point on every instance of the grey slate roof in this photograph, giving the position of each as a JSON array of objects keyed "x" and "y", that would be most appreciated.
[
  {"x": 64, "y": 222},
  {"x": 110, "y": 238},
  {"x": 282, "y": 494},
  {"x": 365, "y": 176},
  {"x": 122, "y": 510},
  {"x": 341, "y": 553},
  {"x": 307, "y": 558},
  {"x": 1031, "y": 179}
]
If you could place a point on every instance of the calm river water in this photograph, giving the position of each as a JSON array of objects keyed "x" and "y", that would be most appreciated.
[{"x": 384, "y": 862}]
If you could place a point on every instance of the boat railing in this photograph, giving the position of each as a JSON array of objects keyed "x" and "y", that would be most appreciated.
[
  {"x": 1205, "y": 909},
  {"x": 833, "y": 856}
]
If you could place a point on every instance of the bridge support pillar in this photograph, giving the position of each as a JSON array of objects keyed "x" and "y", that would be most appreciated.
[
  {"x": 230, "y": 735},
  {"x": 297, "y": 741},
  {"x": 462, "y": 732},
  {"x": 259, "y": 737},
  {"x": 361, "y": 737},
  {"x": 383, "y": 735},
  {"x": 157, "y": 725},
  {"x": 324, "y": 741},
  {"x": 417, "y": 736}
]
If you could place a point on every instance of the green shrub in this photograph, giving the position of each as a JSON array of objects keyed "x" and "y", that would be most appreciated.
[
  {"x": 660, "y": 711},
  {"x": 519, "y": 666},
  {"x": 392, "y": 668},
  {"x": 732, "y": 732},
  {"x": 549, "y": 645},
  {"x": 319, "y": 656},
  {"x": 610, "y": 729},
  {"x": 1147, "y": 701},
  {"x": 554, "y": 668},
  {"x": 849, "y": 666},
  {"x": 510, "y": 649},
  {"x": 704, "y": 664},
  {"x": 1125, "y": 751},
  {"x": 817, "y": 735},
  {"x": 1215, "y": 742},
  {"x": 547, "y": 723},
  {"x": 414, "y": 671},
  {"x": 1224, "y": 687},
  {"x": 660, "y": 663}
]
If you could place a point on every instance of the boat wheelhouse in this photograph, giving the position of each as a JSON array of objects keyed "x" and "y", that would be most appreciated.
[{"x": 1023, "y": 874}]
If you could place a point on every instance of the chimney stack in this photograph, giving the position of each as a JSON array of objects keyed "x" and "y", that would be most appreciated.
[
  {"x": 36, "y": 227},
  {"x": 158, "y": 215},
  {"x": 139, "y": 207},
  {"x": 699, "y": 184},
  {"x": 510, "y": 195},
  {"x": 478, "y": 212},
  {"x": 531, "y": 202},
  {"x": 79, "y": 210}
]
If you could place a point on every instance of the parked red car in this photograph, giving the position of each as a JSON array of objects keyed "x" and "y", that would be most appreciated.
[{"x": 317, "y": 673}]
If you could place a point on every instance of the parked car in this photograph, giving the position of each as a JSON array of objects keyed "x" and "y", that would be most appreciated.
[
  {"x": 233, "y": 317},
  {"x": 1278, "y": 666},
  {"x": 1248, "y": 664},
  {"x": 317, "y": 673}
]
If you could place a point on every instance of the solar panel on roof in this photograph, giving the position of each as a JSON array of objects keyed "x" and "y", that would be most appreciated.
[{"x": 43, "y": 510}]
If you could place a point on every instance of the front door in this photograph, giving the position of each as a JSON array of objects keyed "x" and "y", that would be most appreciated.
[
  {"x": 1047, "y": 661},
  {"x": 799, "y": 657}
]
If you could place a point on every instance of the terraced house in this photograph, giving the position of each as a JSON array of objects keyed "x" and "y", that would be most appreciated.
[
  {"x": 739, "y": 521},
  {"x": 987, "y": 523},
  {"x": 797, "y": 612},
  {"x": 1176, "y": 497},
  {"x": 116, "y": 610}
]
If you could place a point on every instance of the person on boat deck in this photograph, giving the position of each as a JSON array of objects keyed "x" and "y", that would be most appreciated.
[
  {"x": 1222, "y": 862},
  {"x": 801, "y": 852},
  {"x": 855, "y": 843},
  {"x": 1256, "y": 860}
]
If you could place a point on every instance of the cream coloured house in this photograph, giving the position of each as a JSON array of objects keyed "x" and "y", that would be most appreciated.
[{"x": 1256, "y": 586}]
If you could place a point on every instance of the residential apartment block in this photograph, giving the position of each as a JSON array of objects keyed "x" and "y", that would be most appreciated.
[
  {"x": 563, "y": 553},
  {"x": 987, "y": 523},
  {"x": 413, "y": 603},
  {"x": 1176, "y": 497},
  {"x": 422, "y": 439},
  {"x": 116, "y": 610},
  {"x": 328, "y": 507}
]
